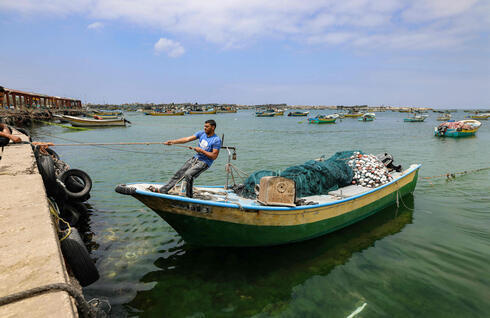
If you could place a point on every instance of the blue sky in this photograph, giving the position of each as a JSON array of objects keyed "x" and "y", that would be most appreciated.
[{"x": 319, "y": 52}]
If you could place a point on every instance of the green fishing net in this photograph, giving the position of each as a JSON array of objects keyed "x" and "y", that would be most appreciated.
[{"x": 314, "y": 177}]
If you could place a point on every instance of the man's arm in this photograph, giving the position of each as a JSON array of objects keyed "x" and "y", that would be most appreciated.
[
  {"x": 182, "y": 140},
  {"x": 210, "y": 154},
  {"x": 5, "y": 132}
]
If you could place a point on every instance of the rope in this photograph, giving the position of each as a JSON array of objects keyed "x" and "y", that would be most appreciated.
[
  {"x": 450, "y": 176},
  {"x": 83, "y": 307},
  {"x": 53, "y": 208}
]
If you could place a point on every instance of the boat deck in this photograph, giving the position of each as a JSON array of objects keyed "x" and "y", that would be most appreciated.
[{"x": 221, "y": 195}]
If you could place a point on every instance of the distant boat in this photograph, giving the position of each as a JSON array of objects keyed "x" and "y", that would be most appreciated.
[
  {"x": 462, "y": 128},
  {"x": 483, "y": 116},
  {"x": 367, "y": 117},
  {"x": 264, "y": 114},
  {"x": 322, "y": 120},
  {"x": 415, "y": 119},
  {"x": 279, "y": 113},
  {"x": 107, "y": 113},
  {"x": 199, "y": 112},
  {"x": 353, "y": 114},
  {"x": 172, "y": 113},
  {"x": 298, "y": 114},
  {"x": 92, "y": 122},
  {"x": 226, "y": 110},
  {"x": 445, "y": 117}
]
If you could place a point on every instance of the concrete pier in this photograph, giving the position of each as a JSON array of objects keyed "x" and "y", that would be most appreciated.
[{"x": 30, "y": 254}]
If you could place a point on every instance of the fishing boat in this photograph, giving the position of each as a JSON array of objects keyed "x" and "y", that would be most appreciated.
[
  {"x": 105, "y": 116},
  {"x": 264, "y": 114},
  {"x": 367, "y": 117},
  {"x": 322, "y": 119},
  {"x": 480, "y": 116},
  {"x": 168, "y": 113},
  {"x": 226, "y": 110},
  {"x": 298, "y": 114},
  {"x": 279, "y": 113},
  {"x": 416, "y": 118},
  {"x": 444, "y": 117},
  {"x": 353, "y": 114},
  {"x": 202, "y": 112},
  {"x": 462, "y": 128},
  {"x": 92, "y": 122},
  {"x": 107, "y": 113},
  {"x": 220, "y": 217}
]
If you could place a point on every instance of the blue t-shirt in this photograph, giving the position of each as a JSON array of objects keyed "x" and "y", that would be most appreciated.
[{"x": 207, "y": 144}]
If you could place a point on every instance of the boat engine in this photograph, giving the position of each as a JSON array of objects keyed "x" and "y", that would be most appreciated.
[{"x": 387, "y": 160}]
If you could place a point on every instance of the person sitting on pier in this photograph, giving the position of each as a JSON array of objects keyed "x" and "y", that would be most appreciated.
[
  {"x": 6, "y": 135},
  {"x": 206, "y": 153}
]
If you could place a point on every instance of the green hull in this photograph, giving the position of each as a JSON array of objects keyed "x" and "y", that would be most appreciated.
[
  {"x": 209, "y": 232},
  {"x": 455, "y": 134}
]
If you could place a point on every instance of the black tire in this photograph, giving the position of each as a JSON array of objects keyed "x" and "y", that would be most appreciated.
[
  {"x": 87, "y": 183},
  {"x": 72, "y": 211},
  {"x": 45, "y": 165},
  {"x": 78, "y": 258}
]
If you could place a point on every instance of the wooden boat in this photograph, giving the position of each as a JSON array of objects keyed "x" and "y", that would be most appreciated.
[
  {"x": 479, "y": 116},
  {"x": 279, "y": 113},
  {"x": 222, "y": 218},
  {"x": 173, "y": 113},
  {"x": 367, "y": 117},
  {"x": 322, "y": 120},
  {"x": 415, "y": 119},
  {"x": 105, "y": 117},
  {"x": 462, "y": 128},
  {"x": 445, "y": 117},
  {"x": 264, "y": 114},
  {"x": 298, "y": 114},
  {"x": 226, "y": 110},
  {"x": 353, "y": 115},
  {"x": 199, "y": 112},
  {"x": 107, "y": 113},
  {"x": 92, "y": 122}
]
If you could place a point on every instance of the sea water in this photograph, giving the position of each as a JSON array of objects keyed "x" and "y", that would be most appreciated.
[{"x": 428, "y": 257}]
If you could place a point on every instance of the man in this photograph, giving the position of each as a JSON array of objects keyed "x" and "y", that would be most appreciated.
[
  {"x": 206, "y": 153},
  {"x": 6, "y": 135}
]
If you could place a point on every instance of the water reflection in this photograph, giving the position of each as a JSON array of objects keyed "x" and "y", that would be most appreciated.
[{"x": 238, "y": 282}]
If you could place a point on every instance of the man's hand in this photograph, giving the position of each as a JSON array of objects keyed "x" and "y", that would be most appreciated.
[
  {"x": 196, "y": 149},
  {"x": 168, "y": 142}
]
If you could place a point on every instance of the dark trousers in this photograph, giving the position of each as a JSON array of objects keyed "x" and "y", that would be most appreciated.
[{"x": 191, "y": 169}]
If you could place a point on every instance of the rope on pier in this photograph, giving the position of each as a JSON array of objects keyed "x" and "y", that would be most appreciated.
[
  {"x": 83, "y": 306},
  {"x": 450, "y": 176}
]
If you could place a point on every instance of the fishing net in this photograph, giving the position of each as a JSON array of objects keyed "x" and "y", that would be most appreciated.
[{"x": 314, "y": 177}]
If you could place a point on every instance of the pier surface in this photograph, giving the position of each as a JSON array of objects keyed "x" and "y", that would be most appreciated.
[{"x": 30, "y": 254}]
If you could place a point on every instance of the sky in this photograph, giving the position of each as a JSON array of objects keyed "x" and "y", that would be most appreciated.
[{"x": 433, "y": 53}]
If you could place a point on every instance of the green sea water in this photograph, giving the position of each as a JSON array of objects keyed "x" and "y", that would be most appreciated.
[{"x": 426, "y": 258}]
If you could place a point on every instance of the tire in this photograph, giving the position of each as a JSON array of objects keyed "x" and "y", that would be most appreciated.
[
  {"x": 71, "y": 212},
  {"x": 45, "y": 165},
  {"x": 78, "y": 258},
  {"x": 87, "y": 183}
]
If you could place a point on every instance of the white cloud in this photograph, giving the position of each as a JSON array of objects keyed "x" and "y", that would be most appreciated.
[
  {"x": 235, "y": 23},
  {"x": 172, "y": 48},
  {"x": 95, "y": 25}
]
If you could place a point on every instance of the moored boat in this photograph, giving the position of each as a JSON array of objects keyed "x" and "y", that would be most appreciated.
[
  {"x": 171, "y": 113},
  {"x": 480, "y": 116},
  {"x": 202, "y": 112},
  {"x": 444, "y": 117},
  {"x": 415, "y": 118},
  {"x": 322, "y": 119},
  {"x": 367, "y": 117},
  {"x": 220, "y": 217},
  {"x": 298, "y": 114},
  {"x": 92, "y": 122},
  {"x": 279, "y": 113},
  {"x": 226, "y": 110},
  {"x": 462, "y": 128},
  {"x": 353, "y": 114},
  {"x": 264, "y": 114}
]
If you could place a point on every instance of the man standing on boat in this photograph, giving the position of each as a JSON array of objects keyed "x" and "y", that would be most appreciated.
[{"x": 206, "y": 153}]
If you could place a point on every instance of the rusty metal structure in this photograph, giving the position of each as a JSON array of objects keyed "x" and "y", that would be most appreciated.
[{"x": 11, "y": 99}]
